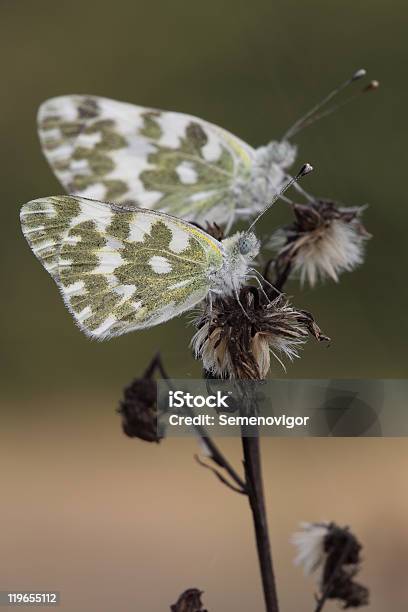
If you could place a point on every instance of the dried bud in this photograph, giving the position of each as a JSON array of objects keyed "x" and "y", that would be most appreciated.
[
  {"x": 324, "y": 241},
  {"x": 237, "y": 344},
  {"x": 335, "y": 551},
  {"x": 189, "y": 601},
  {"x": 139, "y": 410},
  {"x": 215, "y": 230}
]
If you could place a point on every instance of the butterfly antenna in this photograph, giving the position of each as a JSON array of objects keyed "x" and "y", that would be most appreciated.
[
  {"x": 312, "y": 115},
  {"x": 305, "y": 169},
  {"x": 372, "y": 86}
]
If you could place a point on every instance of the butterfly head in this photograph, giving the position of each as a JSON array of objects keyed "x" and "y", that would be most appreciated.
[
  {"x": 241, "y": 248},
  {"x": 248, "y": 245}
]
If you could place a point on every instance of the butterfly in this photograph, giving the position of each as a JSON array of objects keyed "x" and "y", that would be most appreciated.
[
  {"x": 121, "y": 269},
  {"x": 176, "y": 163},
  {"x": 146, "y": 158}
]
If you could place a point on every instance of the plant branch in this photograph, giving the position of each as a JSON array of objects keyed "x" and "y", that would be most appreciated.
[
  {"x": 321, "y": 602},
  {"x": 282, "y": 274},
  {"x": 220, "y": 476},
  {"x": 219, "y": 458},
  {"x": 216, "y": 455},
  {"x": 253, "y": 475}
]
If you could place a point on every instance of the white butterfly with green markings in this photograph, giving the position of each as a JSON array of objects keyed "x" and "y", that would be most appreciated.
[
  {"x": 146, "y": 158},
  {"x": 127, "y": 266},
  {"x": 120, "y": 269},
  {"x": 124, "y": 269},
  {"x": 172, "y": 162}
]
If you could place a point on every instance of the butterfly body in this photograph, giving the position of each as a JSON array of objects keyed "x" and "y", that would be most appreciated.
[
  {"x": 268, "y": 174},
  {"x": 239, "y": 251},
  {"x": 120, "y": 269}
]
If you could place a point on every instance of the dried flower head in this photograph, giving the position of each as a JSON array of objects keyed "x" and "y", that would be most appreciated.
[
  {"x": 324, "y": 241},
  {"x": 138, "y": 410},
  {"x": 215, "y": 230},
  {"x": 235, "y": 339},
  {"x": 335, "y": 551},
  {"x": 189, "y": 601},
  {"x": 139, "y": 405}
]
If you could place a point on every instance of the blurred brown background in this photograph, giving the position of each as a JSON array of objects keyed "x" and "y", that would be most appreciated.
[{"x": 116, "y": 524}]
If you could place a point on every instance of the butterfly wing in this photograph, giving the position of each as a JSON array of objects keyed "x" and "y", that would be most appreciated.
[
  {"x": 119, "y": 269},
  {"x": 113, "y": 151}
]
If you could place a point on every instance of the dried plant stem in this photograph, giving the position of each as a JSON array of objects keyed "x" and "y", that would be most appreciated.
[
  {"x": 219, "y": 458},
  {"x": 216, "y": 454},
  {"x": 254, "y": 485},
  {"x": 281, "y": 277},
  {"x": 326, "y": 592}
]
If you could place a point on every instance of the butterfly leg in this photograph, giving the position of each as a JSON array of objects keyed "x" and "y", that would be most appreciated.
[
  {"x": 241, "y": 306},
  {"x": 210, "y": 303},
  {"x": 260, "y": 287},
  {"x": 260, "y": 278}
]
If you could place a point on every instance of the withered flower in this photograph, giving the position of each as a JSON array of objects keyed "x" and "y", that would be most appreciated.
[
  {"x": 189, "y": 601},
  {"x": 138, "y": 408},
  {"x": 215, "y": 230},
  {"x": 235, "y": 340},
  {"x": 324, "y": 241},
  {"x": 335, "y": 551}
]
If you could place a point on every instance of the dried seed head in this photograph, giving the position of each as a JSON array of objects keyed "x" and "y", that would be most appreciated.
[
  {"x": 335, "y": 551},
  {"x": 232, "y": 344},
  {"x": 324, "y": 241},
  {"x": 189, "y": 601},
  {"x": 138, "y": 410},
  {"x": 215, "y": 230}
]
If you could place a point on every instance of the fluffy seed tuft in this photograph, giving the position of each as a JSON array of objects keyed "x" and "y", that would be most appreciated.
[
  {"x": 335, "y": 552},
  {"x": 324, "y": 241}
]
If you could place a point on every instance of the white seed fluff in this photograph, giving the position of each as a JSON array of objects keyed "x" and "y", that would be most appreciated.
[
  {"x": 323, "y": 253},
  {"x": 310, "y": 545}
]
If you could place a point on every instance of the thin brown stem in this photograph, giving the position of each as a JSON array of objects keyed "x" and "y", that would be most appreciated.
[
  {"x": 216, "y": 455},
  {"x": 254, "y": 482},
  {"x": 253, "y": 475},
  {"x": 282, "y": 276},
  {"x": 219, "y": 458},
  {"x": 220, "y": 477},
  {"x": 329, "y": 584},
  {"x": 253, "y": 488}
]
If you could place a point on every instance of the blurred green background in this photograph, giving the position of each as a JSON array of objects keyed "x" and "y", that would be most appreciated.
[{"x": 252, "y": 67}]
